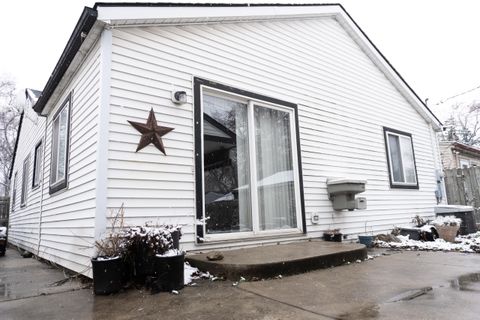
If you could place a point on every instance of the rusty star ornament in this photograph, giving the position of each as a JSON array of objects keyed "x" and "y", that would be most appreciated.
[{"x": 151, "y": 133}]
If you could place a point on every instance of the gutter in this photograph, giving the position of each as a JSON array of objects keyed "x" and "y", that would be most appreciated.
[{"x": 83, "y": 27}]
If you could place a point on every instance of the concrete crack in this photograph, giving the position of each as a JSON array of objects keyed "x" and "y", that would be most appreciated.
[{"x": 288, "y": 304}]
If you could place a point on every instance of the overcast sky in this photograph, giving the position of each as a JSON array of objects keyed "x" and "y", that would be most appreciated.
[{"x": 433, "y": 44}]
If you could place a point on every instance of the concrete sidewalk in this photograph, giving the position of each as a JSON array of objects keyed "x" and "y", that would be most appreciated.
[{"x": 400, "y": 285}]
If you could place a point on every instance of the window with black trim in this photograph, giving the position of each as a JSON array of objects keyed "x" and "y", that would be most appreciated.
[
  {"x": 37, "y": 165},
  {"x": 14, "y": 191},
  {"x": 23, "y": 195},
  {"x": 60, "y": 138},
  {"x": 401, "y": 159}
]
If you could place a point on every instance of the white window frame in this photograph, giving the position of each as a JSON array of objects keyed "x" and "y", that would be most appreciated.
[
  {"x": 37, "y": 165},
  {"x": 464, "y": 163},
  {"x": 24, "y": 190},
  {"x": 256, "y": 232},
  {"x": 399, "y": 184},
  {"x": 59, "y": 184}
]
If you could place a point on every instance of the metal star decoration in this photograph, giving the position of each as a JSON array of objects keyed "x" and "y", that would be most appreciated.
[{"x": 151, "y": 133}]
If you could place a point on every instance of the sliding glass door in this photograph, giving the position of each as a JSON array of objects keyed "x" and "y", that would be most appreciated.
[{"x": 250, "y": 166}]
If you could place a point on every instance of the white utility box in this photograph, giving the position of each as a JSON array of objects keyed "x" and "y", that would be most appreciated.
[{"x": 342, "y": 192}]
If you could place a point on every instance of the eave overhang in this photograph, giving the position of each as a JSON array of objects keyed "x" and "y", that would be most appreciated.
[
  {"x": 151, "y": 14},
  {"x": 78, "y": 37}
]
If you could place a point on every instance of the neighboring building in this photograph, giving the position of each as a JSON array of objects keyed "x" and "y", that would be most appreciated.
[
  {"x": 458, "y": 155},
  {"x": 276, "y": 100}
]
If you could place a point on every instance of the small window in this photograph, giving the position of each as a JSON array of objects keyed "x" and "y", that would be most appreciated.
[
  {"x": 464, "y": 164},
  {"x": 60, "y": 138},
  {"x": 401, "y": 159},
  {"x": 14, "y": 192},
  {"x": 37, "y": 165},
  {"x": 23, "y": 197}
]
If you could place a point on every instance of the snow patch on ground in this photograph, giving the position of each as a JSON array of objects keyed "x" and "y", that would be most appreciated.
[
  {"x": 468, "y": 243},
  {"x": 171, "y": 253},
  {"x": 192, "y": 273}
]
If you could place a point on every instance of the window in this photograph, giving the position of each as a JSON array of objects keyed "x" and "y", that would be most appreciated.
[
  {"x": 37, "y": 165},
  {"x": 23, "y": 195},
  {"x": 401, "y": 159},
  {"x": 464, "y": 164},
  {"x": 14, "y": 192},
  {"x": 248, "y": 161},
  {"x": 60, "y": 136}
]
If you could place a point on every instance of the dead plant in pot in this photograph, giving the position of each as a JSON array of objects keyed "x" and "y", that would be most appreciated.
[
  {"x": 157, "y": 260},
  {"x": 109, "y": 263},
  {"x": 447, "y": 227}
]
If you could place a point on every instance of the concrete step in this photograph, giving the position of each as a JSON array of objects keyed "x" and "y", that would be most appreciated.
[{"x": 283, "y": 259}]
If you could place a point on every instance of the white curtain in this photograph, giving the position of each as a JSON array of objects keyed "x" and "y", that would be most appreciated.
[{"x": 275, "y": 179}]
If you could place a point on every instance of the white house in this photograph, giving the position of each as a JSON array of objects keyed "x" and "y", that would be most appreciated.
[{"x": 266, "y": 103}]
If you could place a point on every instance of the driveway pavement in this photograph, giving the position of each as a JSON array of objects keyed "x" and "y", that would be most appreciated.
[{"x": 399, "y": 285}]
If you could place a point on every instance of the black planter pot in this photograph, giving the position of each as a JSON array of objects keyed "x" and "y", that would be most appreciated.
[
  {"x": 3, "y": 246},
  {"x": 108, "y": 275},
  {"x": 168, "y": 273},
  {"x": 143, "y": 264},
  {"x": 337, "y": 237}
]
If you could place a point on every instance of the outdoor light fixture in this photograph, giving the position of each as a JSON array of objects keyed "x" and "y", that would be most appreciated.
[{"x": 179, "y": 97}]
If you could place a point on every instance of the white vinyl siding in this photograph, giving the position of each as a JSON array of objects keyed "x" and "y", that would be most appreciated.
[
  {"x": 24, "y": 220},
  {"x": 68, "y": 216},
  {"x": 64, "y": 219},
  {"x": 343, "y": 101}
]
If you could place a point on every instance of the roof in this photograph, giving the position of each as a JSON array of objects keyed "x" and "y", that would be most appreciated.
[
  {"x": 121, "y": 13},
  {"x": 458, "y": 146},
  {"x": 32, "y": 95},
  {"x": 83, "y": 27}
]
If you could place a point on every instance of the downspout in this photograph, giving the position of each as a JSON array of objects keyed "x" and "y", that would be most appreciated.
[
  {"x": 440, "y": 193},
  {"x": 42, "y": 187}
]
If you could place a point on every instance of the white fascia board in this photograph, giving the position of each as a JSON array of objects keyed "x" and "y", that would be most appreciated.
[
  {"x": 76, "y": 63},
  {"x": 138, "y": 14},
  {"x": 350, "y": 26}
]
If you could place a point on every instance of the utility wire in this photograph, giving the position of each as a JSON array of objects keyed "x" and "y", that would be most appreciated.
[{"x": 457, "y": 95}]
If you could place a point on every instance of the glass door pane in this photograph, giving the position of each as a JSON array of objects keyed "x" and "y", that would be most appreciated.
[
  {"x": 226, "y": 165},
  {"x": 275, "y": 176}
]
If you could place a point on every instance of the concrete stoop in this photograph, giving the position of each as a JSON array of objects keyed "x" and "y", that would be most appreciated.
[{"x": 283, "y": 259}]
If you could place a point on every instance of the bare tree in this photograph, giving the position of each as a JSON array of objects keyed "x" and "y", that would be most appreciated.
[
  {"x": 463, "y": 125},
  {"x": 9, "y": 121}
]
